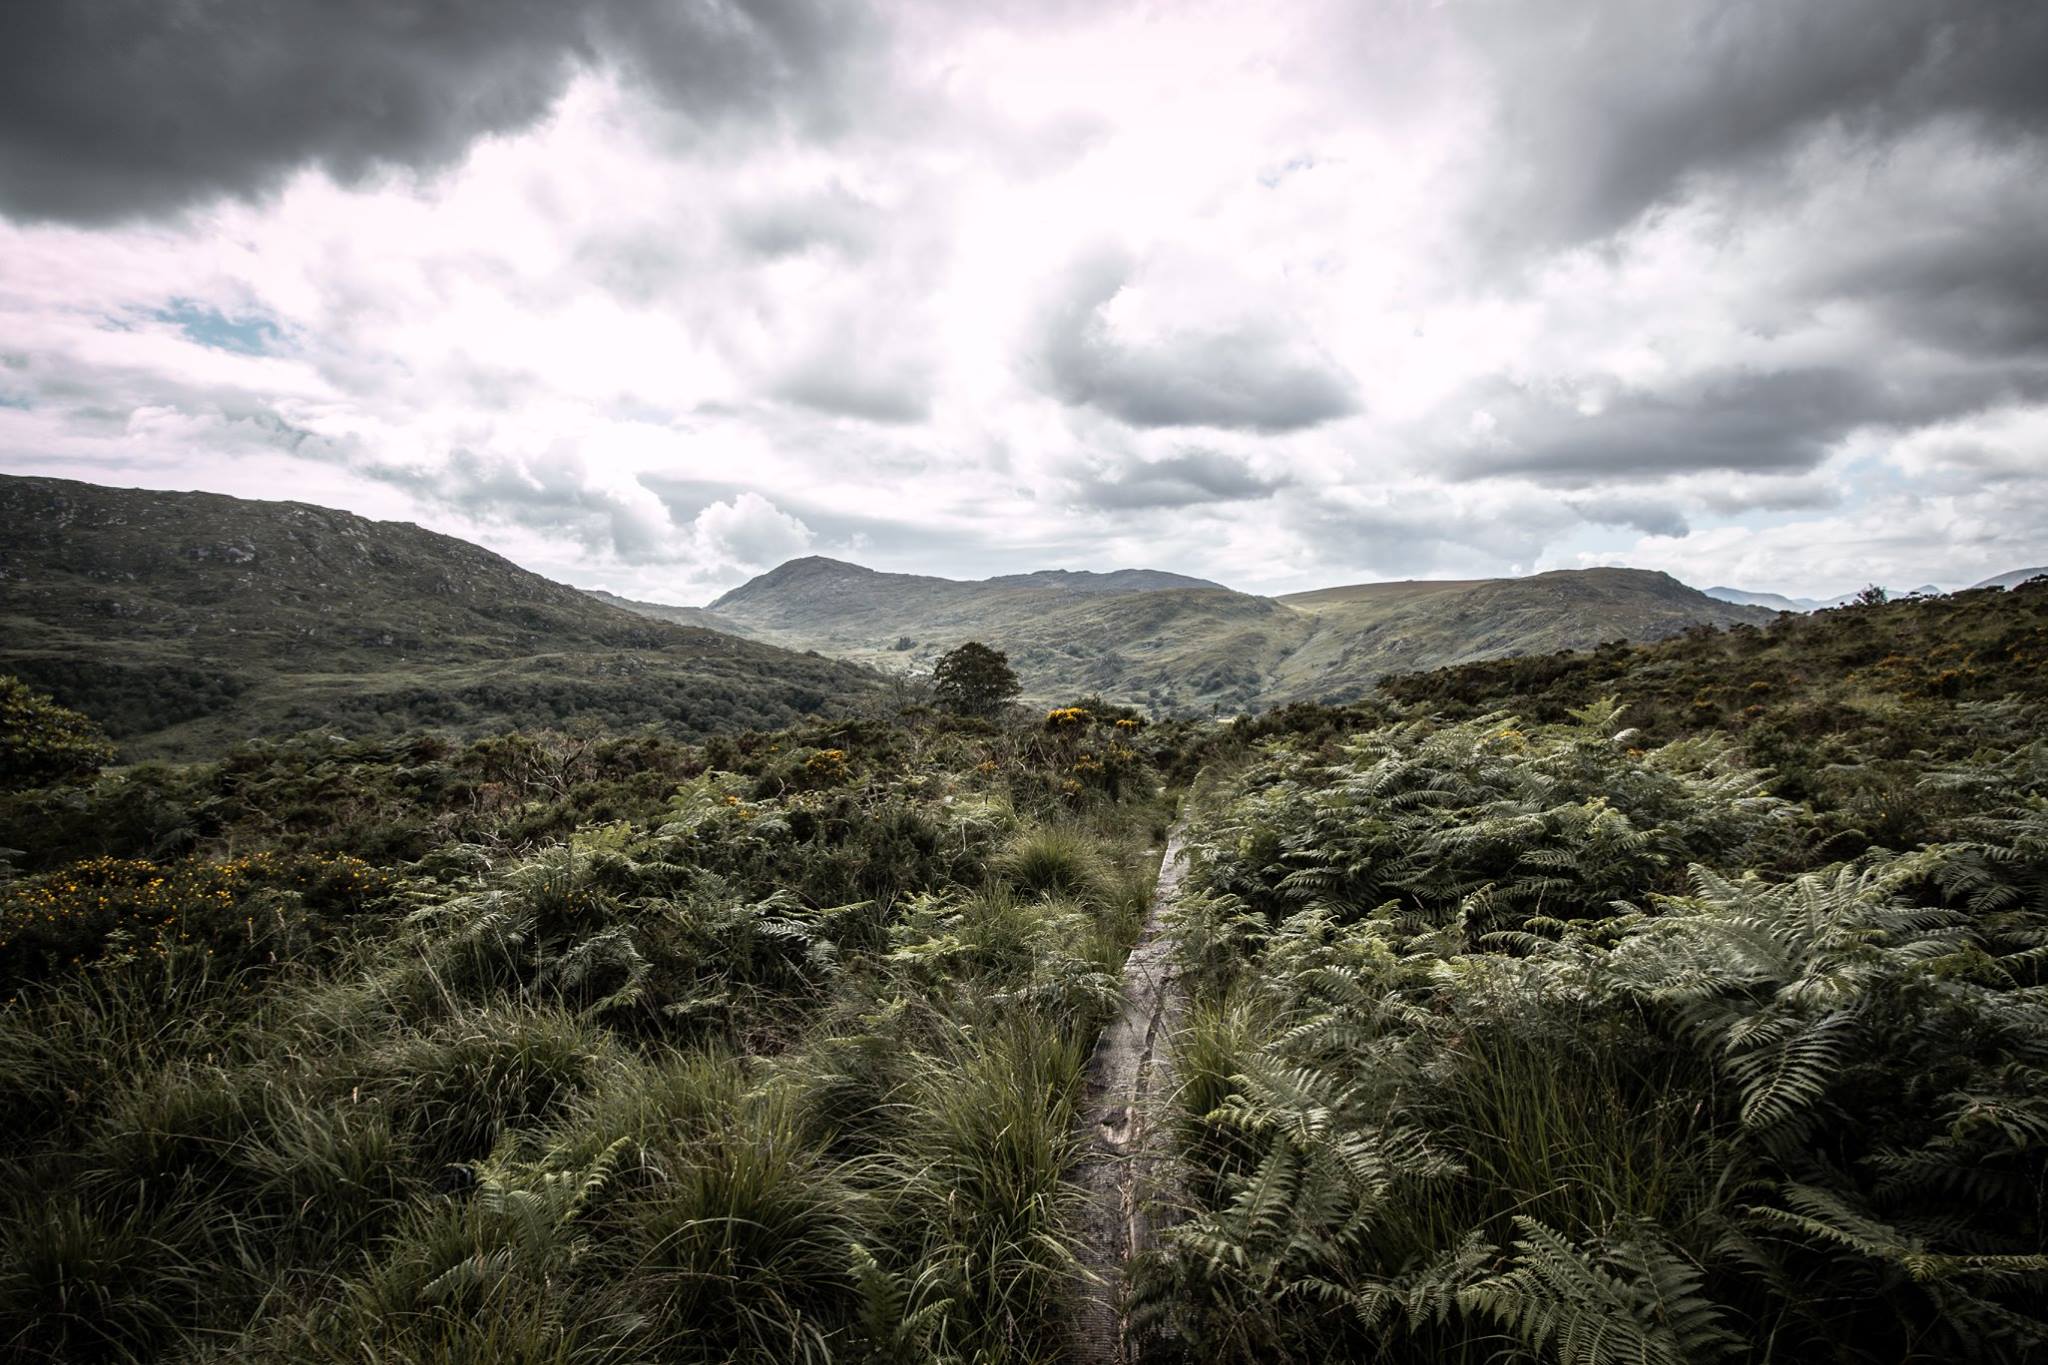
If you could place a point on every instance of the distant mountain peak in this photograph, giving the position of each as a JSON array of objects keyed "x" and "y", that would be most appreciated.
[
  {"x": 823, "y": 577},
  {"x": 2013, "y": 579}
]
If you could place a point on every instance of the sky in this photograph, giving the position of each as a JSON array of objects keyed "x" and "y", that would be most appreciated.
[{"x": 651, "y": 295}]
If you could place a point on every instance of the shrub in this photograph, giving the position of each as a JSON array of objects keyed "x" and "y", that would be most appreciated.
[
  {"x": 1055, "y": 860},
  {"x": 249, "y": 911},
  {"x": 42, "y": 742}
]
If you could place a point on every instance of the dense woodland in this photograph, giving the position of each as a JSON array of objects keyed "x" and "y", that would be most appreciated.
[{"x": 1677, "y": 1002}]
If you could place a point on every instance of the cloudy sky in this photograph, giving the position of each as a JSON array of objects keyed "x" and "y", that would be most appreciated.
[{"x": 654, "y": 294}]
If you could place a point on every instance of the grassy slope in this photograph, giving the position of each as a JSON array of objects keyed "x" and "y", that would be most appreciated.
[
  {"x": 1376, "y": 629},
  {"x": 1174, "y": 647},
  {"x": 184, "y": 621},
  {"x": 699, "y": 617}
]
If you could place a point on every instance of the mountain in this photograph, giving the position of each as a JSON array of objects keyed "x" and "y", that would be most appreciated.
[
  {"x": 1779, "y": 602},
  {"x": 1770, "y": 600},
  {"x": 185, "y": 621},
  {"x": 699, "y": 617},
  {"x": 1081, "y": 581},
  {"x": 1369, "y": 630},
  {"x": 2010, "y": 580},
  {"x": 1175, "y": 643}
]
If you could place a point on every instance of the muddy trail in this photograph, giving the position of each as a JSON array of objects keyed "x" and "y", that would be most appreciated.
[{"x": 1124, "y": 1159}]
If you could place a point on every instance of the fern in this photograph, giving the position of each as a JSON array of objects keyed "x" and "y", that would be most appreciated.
[{"x": 1637, "y": 1303}]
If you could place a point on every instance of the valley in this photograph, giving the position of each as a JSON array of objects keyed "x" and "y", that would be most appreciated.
[
  {"x": 185, "y": 620},
  {"x": 1174, "y": 645}
]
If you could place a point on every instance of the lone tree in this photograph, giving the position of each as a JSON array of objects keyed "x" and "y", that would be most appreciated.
[{"x": 974, "y": 680}]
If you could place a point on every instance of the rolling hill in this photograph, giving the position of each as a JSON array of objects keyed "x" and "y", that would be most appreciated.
[
  {"x": 1774, "y": 601},
  {"x": 2013, "y": 579},
  {"x": 1368, "y": 631},
  {"x": 1178, "y": 644},
  {"x": 186, "y": 621}
]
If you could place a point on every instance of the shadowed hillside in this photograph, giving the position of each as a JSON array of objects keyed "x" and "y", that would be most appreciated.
[{"x": 184, "y": 621}]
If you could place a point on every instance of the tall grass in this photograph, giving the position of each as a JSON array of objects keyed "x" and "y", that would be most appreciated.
[
  {"x": 1056, "y": 859},
  {"x": 657, "y": 1092},
  {"x": 992, "y": 1136}
]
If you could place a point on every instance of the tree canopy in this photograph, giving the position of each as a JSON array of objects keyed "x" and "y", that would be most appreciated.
[{"x": 974, "y": 680}]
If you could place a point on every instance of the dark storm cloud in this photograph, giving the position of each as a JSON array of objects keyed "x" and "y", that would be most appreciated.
[
  {"x": 1648, "y": 515},
  {"x": 113, "y": 108},
  {"x": 1184, "y": 480},
  {"x": 1247, "y": 376},
  {"x": 1976, "y": 288},
  {"x": 1782, "y": 422},
  {"x": 1606, "y": 109}
]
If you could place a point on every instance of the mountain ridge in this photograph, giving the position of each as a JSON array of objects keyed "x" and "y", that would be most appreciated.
[
  {"x": 1172, "y": 642},
  {"x": 2011, "y": 579},
  {"x": 183, "y": 621},
  {"x": 186, "y": 620}
]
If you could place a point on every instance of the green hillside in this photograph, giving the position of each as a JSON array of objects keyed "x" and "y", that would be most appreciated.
[
  {"x": 186, "y": 621},
  {"x": 1374, "y": 630},
  {"x": 1180, "y": 645}
]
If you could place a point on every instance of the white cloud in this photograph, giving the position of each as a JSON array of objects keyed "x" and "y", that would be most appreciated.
[
  {"x": 1345, "y": 316},
  {"x": 749, "y": 533}
]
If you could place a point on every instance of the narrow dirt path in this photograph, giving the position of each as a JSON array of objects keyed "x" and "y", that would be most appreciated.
[{"x": 1127, "y": 1084}]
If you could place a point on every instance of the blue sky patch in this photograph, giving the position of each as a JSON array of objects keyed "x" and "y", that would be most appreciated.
[{"x": 247, "y": 334}]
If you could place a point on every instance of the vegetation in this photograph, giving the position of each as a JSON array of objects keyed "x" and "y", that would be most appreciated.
[
  {"x": 974, "y": 680},
  {"x": 1180, "y": 645},
  {"x": 1577, "y": 1040},
  {"x": 187, "y": 622},
  {"x": 1678, "y": 1002},
  {"x": 1846, "y": 708},
  {"x": 42, "y": 742},
  {"x": 565, "y": 1048}
]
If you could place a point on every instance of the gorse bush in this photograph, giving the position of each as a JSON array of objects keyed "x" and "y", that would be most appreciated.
[{"x": 262, "y": 908}]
